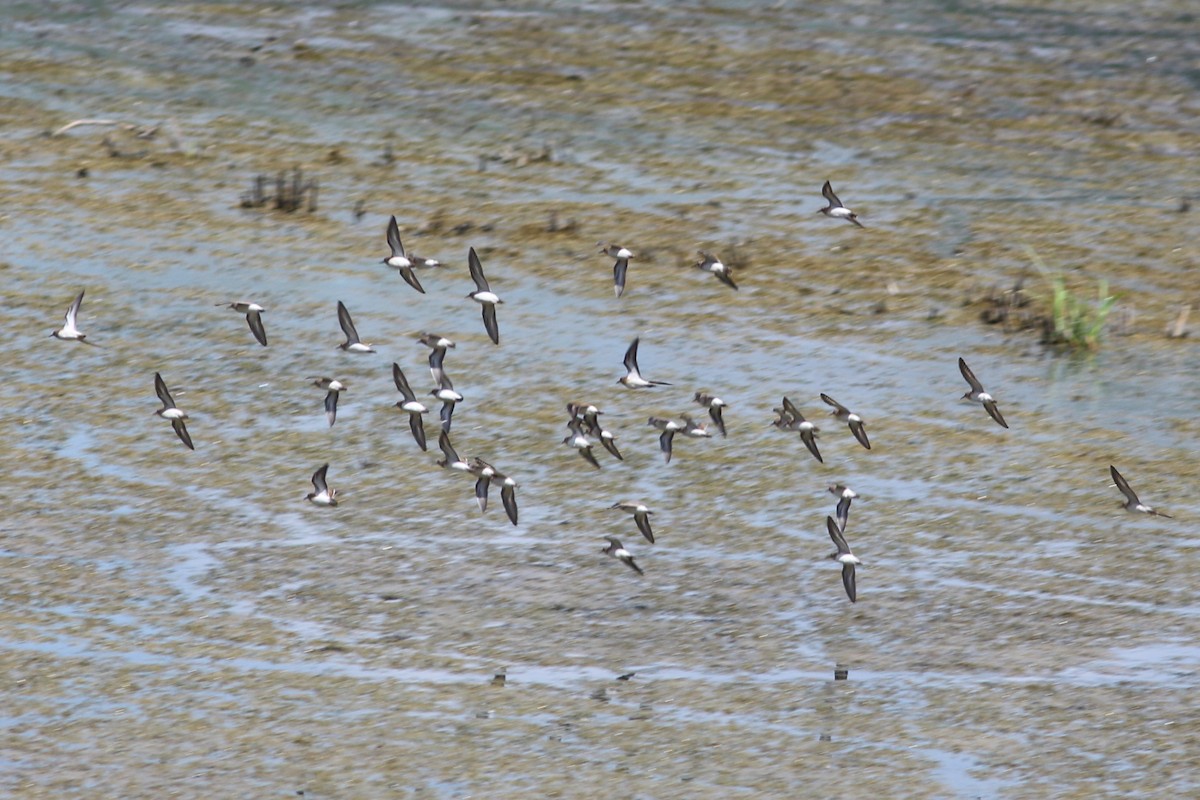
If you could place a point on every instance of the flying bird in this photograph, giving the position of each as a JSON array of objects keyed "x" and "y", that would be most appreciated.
[
  {"x": 352, "y": 344},
  {"x": 70, "y": 330},
  {"x": 333, "y": 389},
  {"x": 484, "y": 295},
  {"x": 712, "y": 264},
  {"x": 445, "y": 392},
  {"x": 633, "y": 379},
  {"x": 1132, "y": 503},
  {"x": 844, "y": 494},
  {"x": 714, "y": 405},
  {"x": 978, "y": 395},
  {"x": 590, "y": 415},
  {"x": 850, "y": 418},
  {"x": 410, "y": 404},
  {"x": 437, "y": 355},
  {"x": 398, "y": 260},
  {"x": 669, "y": 428},
  {"x": 321, "y": 494},
  {"x": 791, "y": 419},
  {"x": 622, "y": 255},
  {"x": 450, "y": 459},
  {"x": 618, "y": 552},
  {"x": 835, "y": 208},
  {"x": 253, "y": 312},
  {"x": 843, "y": 555},
  {"x": 171, "y": 412},
  {"x": 641, "y": 515},
  {"x": 580, "y": 442}
]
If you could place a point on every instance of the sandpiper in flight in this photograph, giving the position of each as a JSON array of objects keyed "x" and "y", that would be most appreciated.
[
  {"x": 437, "y": 345},
  {"x": 253, "y": 312},
  {"x": 1132, "y": 503},
  {"x": 484, "y": 295},
  {"x": 835, "y": 208},
  {"x": 714, "y": 405},
  {"x": 669, "y": 427},
  {"x": 580, "y": 442},
  {"x": 398, "y": 260},
  {"x": 978, "y": 395},
  {"x": 634, "y": 379},
  {"x": 171, "y": 412},
  {"x": 450, "y": 459},
  {"x": 321, "y": 494},
  {"x": 844, "y": 557},
  {"x": 844, "y": 494},
  {"x": 618, "y": 552},
  {"x": 445, "y": 392},
  {"x": 70, "y": 330},
  {"x": 352, "y": 344},
  {"x": 410, "y": 404},
  {"x": 333, "y": 389},
  {"x": 641, "y": 515},
  {"x": 592, "y": 427},
  {"x": 791, "y": 419},
  {"x": 622, "y": 255},
  {"x": 711, "y": 263},
  {"x": 850, "y": 418}
]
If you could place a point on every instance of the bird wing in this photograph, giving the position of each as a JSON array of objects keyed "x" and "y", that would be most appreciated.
[
  {"x": 481, "y": 283},
  {"x": 418, "y": 429},
  {"x": 182, "y": 432},
  {"x": 254, "y": 320},
  {"x": 347, "y": 323},
  {"x": 969, "y": 376},
  {"x": 402, "y": 383},
  {"x": 160, "y": 388},
  {"x": 490, "y": 323},
  {"x": 393, "y": 238}
]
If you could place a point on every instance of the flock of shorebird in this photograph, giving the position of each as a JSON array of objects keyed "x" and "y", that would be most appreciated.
[{"x": 583, "y": 419}]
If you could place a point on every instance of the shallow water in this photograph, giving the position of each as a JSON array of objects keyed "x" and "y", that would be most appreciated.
[{"x": 183, "y": 624}]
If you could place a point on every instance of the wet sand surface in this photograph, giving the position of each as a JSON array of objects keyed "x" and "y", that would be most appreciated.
[{"x": 183, "y": 624}]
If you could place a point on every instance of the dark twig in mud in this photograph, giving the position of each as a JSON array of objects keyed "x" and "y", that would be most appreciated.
[{"x": 289, "y": 195}]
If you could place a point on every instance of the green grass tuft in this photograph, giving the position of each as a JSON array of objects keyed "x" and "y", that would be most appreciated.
[{"x": 1073, "y": 322}]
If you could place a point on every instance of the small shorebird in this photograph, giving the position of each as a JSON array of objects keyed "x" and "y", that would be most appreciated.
[
  {"x": 835, "y": 208},
  {"x": 844, "y": 557},
  {"x": 622, "y": 255},
  {"x": 450, "y": 459},
  {"x": 1132, "y": 503},
  {"x": 484, "y": 295},
  {"x": 172, "y": 412},
  {"x": 618, "y": 552},
  {"x": 712, "y": 264},
  {"x": 445, "y": 392},
  {"x": 633, "y": 379},
  {"x": 978, "y": 395},
  {"x": 669, "y": 428},
  {"x": 580, "y": 442},
  {"x": 641, "y": 515},
  {"x": 70, "y": 330},
  {"x": 693, "y": 429},
  {"x": 714, "y": 405},
  {"x": 333, "y": 389},
  {"x": 485, "y": 473},
  {"x": 592, "y": 427},
  {"x": 844, "y": 494},
  {"x": 850, "y": 418},
  {"x": 410, "y": 404},
  {"x": 253, "y": 312},
  {"x": 437, "y": 355},
  {"x": 352, "y": 344},
  {"x": 791, "y": 419},
  {"x": 321, "y": 495},
  {"x": 398, "y": 260}
]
